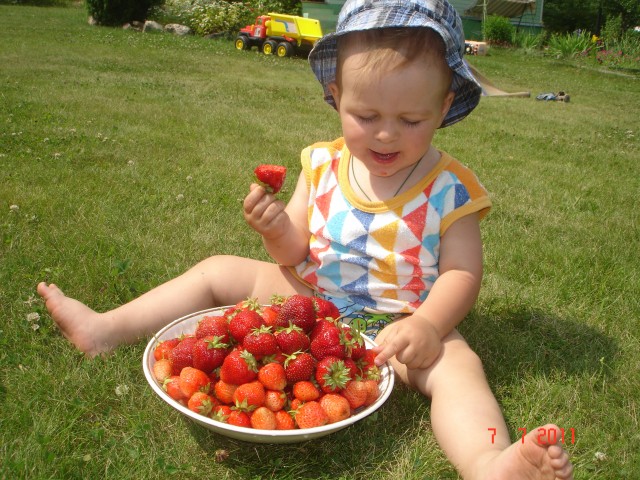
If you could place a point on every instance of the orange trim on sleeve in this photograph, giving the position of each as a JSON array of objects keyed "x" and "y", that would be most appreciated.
[{"x": 480, "y": 202}]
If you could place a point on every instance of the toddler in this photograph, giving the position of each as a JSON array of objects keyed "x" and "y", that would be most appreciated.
[{"x": 380, "y": 222}]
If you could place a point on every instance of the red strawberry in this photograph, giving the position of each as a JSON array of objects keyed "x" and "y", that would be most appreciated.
[
  {"x": 332, "y": 375},
  {"x": 299, "y": 366},
  {"x": 209, "y": 353},
  {"x": 299, "y": 310},
  {"x": 277, "y": 357},
  {"x": 326, "y": 308},
  {"x": 244, "y": 322},
  {"x": 239, "y": 419},
  {"x": 182, "y": 354},
  {"x": 271, "y": 177},
  {"x": 373, "y": 390},
  {"x": 224, "y": 391},
  {"x": 193, "y": 380},
  {"x": 260, "y": 342},
  {"x": 310, "y": 415},
  {"x": 355, "y": 345},
  {"x": 249, "y": 396},
  {"x": 163, "y": 348},
  {"x": 263, "y": 419},
  {"x": 171, "y": 385},
  {"x": 247, "y": 304},
  {"x": 275, "y": 400},
  {"x": 330, "y": 342},
  {"x": 295, "y": 404},
  {"x": 368, "y": 368},
  {"x": 352, "y": 366},
  {"x": 270, "y": 316},
  {"x": 213, "y": 326},
  {"x": 284, "y": 420},
  {"x": 336, "y": 407},
  {"x": 320, "y": 326},
  {"x": 221, "y": 413},
  {"x": 305, "y": 391},
  {"x": 292, "y": 339},
  {"x": 356, "y": 393},
  {"x": 239, "y": 367},
  {"x": 162, "y": 369},
  {"x": 201, "y": 403},
  {"x": 273, "y": 376}
]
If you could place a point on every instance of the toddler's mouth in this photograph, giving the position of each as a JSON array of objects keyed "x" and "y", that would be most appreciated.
[{"x": 384, "y": 157}]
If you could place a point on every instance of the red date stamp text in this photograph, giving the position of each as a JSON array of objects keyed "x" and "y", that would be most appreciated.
[{"x": 545, "y": 436}]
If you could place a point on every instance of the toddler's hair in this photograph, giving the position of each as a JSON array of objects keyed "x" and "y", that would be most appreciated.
[{"x": 388, "y": 49}]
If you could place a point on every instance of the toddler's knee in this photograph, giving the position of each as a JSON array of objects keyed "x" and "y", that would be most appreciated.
[
  {"x": 218, "y": 261},
  {"x": 464, "y": 355}
]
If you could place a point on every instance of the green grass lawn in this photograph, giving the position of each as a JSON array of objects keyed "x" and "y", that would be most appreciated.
[{"x": 124, "y": 158}]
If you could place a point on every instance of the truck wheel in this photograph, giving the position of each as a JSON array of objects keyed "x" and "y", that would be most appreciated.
[
  {"x": 285, "y": 49},
  {"x": 242, "y": 43},
  {"x": 269, "y": 47}
]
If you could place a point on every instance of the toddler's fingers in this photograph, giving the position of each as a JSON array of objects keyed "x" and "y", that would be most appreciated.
[
  {"x": 253, "y": 197},
  {"x": 387, "y": 349}
]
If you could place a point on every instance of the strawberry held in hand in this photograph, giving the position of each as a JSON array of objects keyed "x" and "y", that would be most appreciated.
[{"x": 271, "y": 177}]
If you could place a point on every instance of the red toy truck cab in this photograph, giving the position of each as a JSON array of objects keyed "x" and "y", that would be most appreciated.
[{"x": 258, "y": 29}]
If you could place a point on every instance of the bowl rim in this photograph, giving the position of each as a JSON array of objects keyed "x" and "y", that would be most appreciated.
[{"x": 221, "y": 427}]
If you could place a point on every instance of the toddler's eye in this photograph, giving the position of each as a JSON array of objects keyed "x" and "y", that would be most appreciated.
[
  {"x": 410, "y": 123},
  {"x": 362, "y": 119}
]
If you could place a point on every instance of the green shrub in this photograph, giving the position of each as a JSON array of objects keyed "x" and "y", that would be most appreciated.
[
  {"x": 291, "y": 7},
  {"x": 621, "y": 54},
  {"x": 570, "y": 45},
  {"x": 612, "y": 31},
  {"x": 117, "y": 12},
  {"x": 220, "y": 16},
  {"x": 208, "y": 16},
  {"x": 40, "y": 3},
  {"x": 498, "y": 30},
  {"x": 527, "y": 41}
]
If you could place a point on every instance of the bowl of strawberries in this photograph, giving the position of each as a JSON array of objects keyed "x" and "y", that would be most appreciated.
[{"x": 286, "y": 372}]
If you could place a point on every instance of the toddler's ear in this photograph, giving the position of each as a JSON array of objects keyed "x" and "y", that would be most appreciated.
[
  {"x": 335, "y": 92},
  {"x": 446, "y": 103}
]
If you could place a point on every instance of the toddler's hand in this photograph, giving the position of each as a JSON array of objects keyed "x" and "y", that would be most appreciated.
[
  {"x": 413, "y": 340},
  {"x": 265, "y": 213}
]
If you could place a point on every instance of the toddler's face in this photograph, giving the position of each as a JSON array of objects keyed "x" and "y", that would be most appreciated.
[{"x": 389, "y": 119}]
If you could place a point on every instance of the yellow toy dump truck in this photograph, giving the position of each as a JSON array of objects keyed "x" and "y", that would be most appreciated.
[{"x": 281, "y": 34}]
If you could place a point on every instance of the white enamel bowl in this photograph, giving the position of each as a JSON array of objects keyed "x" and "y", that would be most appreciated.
[{"x": 187, "y": 325}]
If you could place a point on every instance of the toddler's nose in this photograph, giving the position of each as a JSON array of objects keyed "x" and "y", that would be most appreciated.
[{"x": 387, "y": 132}]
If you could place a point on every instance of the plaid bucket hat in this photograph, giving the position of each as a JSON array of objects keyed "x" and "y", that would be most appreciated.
[{"x": 439, "y": 15}]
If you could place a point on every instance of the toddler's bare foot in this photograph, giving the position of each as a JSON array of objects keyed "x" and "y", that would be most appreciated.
[
  {"x": 532, "y": 459},
  {"x": 85, "y": 328}
]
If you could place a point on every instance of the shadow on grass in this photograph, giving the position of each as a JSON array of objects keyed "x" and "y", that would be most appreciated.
[
  {"x": 513, "y": 344},
  {"x": 520, "y": 341}
]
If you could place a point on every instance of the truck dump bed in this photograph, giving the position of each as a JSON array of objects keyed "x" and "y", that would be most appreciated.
[{"x": 303, "y": 29}]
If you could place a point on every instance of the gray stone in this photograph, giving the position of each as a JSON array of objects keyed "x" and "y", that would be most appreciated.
[
  {"x": 177, "y": 29},
  {"x": 151, "y": 26}
]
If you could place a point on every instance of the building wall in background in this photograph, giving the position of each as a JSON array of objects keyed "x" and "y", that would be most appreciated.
[{"x": 327, "y": 12}]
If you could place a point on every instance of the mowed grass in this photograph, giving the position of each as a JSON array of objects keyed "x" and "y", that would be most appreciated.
[{"x": 124, "y": 160}]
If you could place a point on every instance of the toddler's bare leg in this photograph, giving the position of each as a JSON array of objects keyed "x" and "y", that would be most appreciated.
[
  {"x": 464, "y": 414},
  {"x": 216, "y": 281}
]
